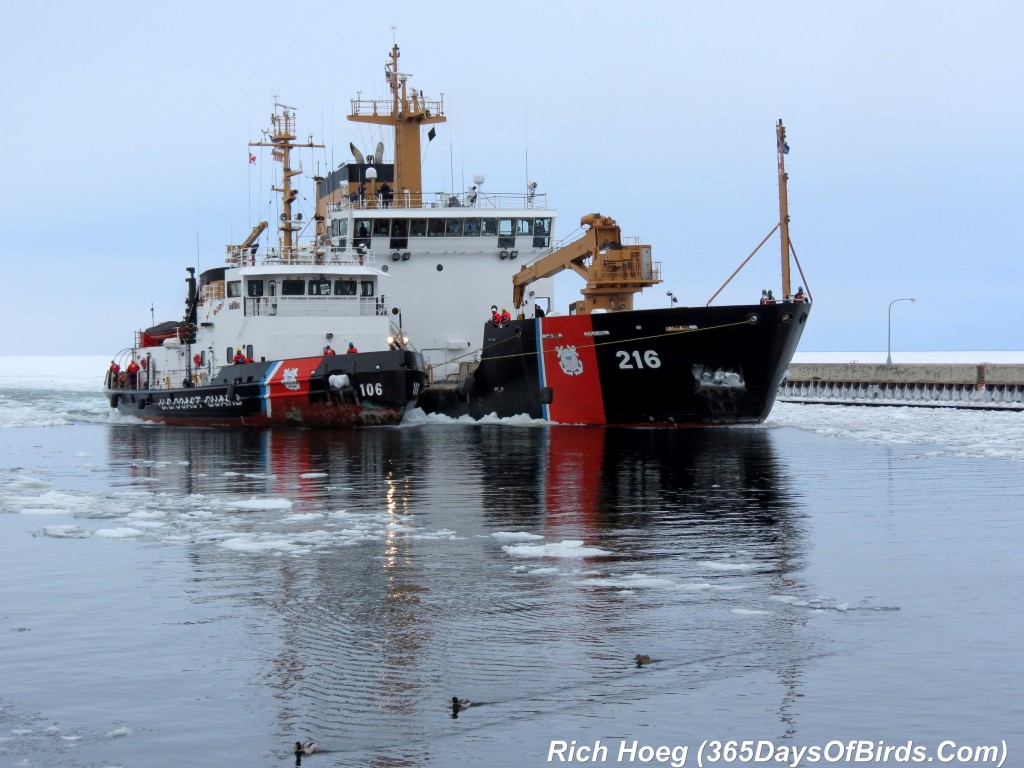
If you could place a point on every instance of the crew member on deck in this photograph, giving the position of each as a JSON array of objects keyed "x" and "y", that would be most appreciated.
[
  {"x": 352, "y": 349},
  {"x": 505, "y": 316},
  {"x": 328, "y": 350},
  {"x": 240, "y": 357},
  {"x": 114, "y": 370},
  {"x": 495, "y": 317},
  {"x": 799, "y": 297},
  {"x": 764, "y": 297},
  {"x": 133, "y": 374}
]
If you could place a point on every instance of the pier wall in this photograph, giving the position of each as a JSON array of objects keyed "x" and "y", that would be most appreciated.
[{"x": 961, "y": 385}]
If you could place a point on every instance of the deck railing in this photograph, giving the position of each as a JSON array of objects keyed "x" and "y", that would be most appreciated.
[{"x": 433, "y": 200}]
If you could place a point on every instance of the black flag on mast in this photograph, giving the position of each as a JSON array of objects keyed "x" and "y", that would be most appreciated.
[{"x": 431, "y": 134}]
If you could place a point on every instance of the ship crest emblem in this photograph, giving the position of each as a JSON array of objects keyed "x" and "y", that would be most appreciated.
[
  {"x": 569, "y": 361},
  {"x": 290, "y": 379}
]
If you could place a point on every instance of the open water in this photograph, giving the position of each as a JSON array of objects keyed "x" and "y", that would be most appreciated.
[{"x": 837, "y": 576}]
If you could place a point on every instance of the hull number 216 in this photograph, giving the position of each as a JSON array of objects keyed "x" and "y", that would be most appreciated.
[{"x": 637, "y": 359}]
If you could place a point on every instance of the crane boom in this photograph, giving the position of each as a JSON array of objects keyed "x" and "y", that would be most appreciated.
[{"x": 614, "y": 272}]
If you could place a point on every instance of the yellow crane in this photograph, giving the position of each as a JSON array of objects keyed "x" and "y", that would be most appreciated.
[{"x": 614, "y": 272}]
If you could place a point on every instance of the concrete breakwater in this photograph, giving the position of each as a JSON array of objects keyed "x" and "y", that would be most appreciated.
[{"x": 955, "y": 385}]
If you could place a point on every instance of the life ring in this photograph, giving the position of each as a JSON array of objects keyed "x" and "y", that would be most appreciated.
[{"x": 197, "y": 360}]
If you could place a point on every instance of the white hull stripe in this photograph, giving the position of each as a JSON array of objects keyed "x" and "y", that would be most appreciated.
[{"x": 265, "y": 387}]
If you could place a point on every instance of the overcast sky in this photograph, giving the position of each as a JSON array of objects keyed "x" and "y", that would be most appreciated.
[{"x": 125, "y": 158}]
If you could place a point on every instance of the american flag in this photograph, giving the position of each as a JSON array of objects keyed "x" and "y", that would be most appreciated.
[{"x": 387, "y": 76}]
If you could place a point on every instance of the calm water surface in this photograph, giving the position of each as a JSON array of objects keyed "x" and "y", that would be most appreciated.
[{"x": 207, "y": 598}]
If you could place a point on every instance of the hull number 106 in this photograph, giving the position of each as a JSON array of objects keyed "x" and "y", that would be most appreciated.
[
  {"x": 637, "y": 359},
  {"x": 368, "y": 390}
]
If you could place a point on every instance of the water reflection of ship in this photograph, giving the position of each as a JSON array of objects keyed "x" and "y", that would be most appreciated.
[
  {"x": 386, "y": 621},
  {"x": 724, "y": 490},
  {"x": 349, "y": 620}
]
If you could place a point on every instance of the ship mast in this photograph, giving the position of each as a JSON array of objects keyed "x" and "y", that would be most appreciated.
[
  {"x": 782, "y": 149},
  {"x": 406, "y": 111},
  {"x": 282, "y": 141}
]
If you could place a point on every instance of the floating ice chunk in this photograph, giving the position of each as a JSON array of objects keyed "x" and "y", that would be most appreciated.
[
  {"x": 694, "y": 586},
  {"x": 241, "y": 544},
  {"x": 515, "y": 536},
  {"x": 718, "y": 565},
  {"x": 44, "y": 511},
  {"x": 559, "y": 549},
  {"x": 119, "y": 732},
  {"x": 65, "y": 532},
  {"x": 118, "y": 533},
  {"x": 301, "y": 517},
  {"x": 261, "y": 504},
  {"x": 749, "y": 612},
  {"x": 309, "y": 475},
  {"x": 24, "y": 481},
  {"x": 627, "y": 582}
]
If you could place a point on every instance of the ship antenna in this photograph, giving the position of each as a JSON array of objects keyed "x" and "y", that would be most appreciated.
[{"x": 783, "y": 150}]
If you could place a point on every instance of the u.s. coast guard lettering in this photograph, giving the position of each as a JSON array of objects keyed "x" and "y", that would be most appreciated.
[{"x": 197, "y": 401}]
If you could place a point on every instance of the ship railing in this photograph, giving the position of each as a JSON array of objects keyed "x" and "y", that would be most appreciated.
[
  {"x": 314, "y": 306},
  {"x": 385, "y": 107},
  {"x": 305, "y": 254},
  {"x": 624, "y": 272},
  {"x": 433, "y": 200}
]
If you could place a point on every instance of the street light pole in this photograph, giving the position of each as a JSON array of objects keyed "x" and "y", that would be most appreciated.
[{"x": 888, "y": 357}]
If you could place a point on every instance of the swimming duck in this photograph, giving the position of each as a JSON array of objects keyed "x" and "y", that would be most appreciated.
[
  {"x": 306, "y": 747},
  {"x": 642, "y": 658},
  {"x": 458, "y": 703}
]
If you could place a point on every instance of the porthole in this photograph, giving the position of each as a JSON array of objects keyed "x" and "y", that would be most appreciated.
[{"x": 440, "y": 267}]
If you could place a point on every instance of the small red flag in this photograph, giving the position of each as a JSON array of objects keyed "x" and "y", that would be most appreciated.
[{"x": 252, "y": 158}]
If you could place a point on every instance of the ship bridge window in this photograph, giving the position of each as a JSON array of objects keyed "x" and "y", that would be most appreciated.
[
  {"x": 339, "y": 227},
  {"x": 471, "y": 228},
  {"x": 435, "y": 228},
  {"x": 344, "y": 287},
  {"x": 489, "y": 227},
  {"x": 418, "y": 228},
  {"x": 320, "y": 287},
  {"x": 399, "y": 234},
  {"x": 506, "y": 233},
  {"x": 542, "y": 233},
  {"x": 524, "y": 226},
  {"x": 255, "y": 288},
  {"x": 234, "y": 289},
  {"x": 293, "y": 287},
  {"x": 362, "y": 230},
  {"x": 454, "y": 228},
  {"x": 381, "y": 227},
  {"x": 366, "y": 287}
]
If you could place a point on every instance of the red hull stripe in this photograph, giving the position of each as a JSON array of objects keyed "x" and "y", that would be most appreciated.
[
  {"x": 288, "y": 382},
  {"x": 569, "y": 367}
]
